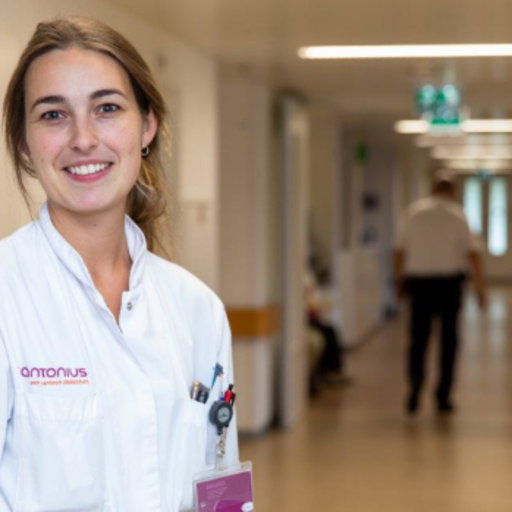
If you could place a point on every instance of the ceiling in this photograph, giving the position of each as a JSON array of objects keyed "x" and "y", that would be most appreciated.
[{"x": 265, "y": 34}]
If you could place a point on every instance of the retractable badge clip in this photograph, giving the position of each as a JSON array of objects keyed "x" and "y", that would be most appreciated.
[
  {"x": 224, "y": 487},
  {"x": 221, "y": 414}
]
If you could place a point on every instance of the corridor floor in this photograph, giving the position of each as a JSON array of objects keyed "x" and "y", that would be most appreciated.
[{"x": 355, "y": 450}]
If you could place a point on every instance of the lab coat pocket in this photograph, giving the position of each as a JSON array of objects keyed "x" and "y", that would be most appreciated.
[
  {"x": 61, "y": 447},
  {"x": 195, "y": 433}
]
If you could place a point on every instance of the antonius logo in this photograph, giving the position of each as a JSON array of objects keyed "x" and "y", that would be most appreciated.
[{"x": 53, "y": 373}]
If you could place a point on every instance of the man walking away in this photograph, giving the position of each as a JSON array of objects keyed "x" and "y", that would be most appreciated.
[{"x": 433, "y": 251}]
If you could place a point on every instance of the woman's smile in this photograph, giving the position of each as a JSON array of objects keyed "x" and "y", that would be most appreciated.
[{"x": 88, "y": 171}]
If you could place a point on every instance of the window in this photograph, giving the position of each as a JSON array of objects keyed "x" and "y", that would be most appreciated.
[
  {"x": 473, "y": 203},
  {"x": 497, "y": 237}
]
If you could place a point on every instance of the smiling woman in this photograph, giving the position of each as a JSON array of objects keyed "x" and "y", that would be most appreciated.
[
  {"x": 146, "y": 201},
  {"x": 84, "y": 132},
  {"x": 81, "y": 290}
]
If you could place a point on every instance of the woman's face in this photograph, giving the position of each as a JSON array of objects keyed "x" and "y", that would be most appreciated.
[{"x": 84, "y": 130}]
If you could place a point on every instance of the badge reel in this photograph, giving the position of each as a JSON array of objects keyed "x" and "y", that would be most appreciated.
[{"x": 226, "y": 488}]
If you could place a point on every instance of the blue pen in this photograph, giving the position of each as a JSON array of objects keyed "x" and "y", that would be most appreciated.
[{"x": 218, "y": 370}]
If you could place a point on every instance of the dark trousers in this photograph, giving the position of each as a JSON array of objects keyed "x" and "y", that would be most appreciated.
[
  {"x": 434, "y": 297},
  {"x": 331, "y": 358}
]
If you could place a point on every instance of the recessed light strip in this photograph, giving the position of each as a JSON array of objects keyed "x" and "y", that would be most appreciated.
[
  {"x": 419, "y": 126},
  {"x": 412, "y": 126},
  {"x": 472, "y": 153},
  {"x": 488, "y": 165},
  {"x": 405, "y": 51},
  {"x": 487, "y": 125}
]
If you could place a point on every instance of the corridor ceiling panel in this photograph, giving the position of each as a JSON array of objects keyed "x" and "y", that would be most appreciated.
[{"x": 264, "y": 36}]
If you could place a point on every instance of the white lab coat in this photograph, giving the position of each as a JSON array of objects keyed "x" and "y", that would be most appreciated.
[{"x": 96, "y": 416}]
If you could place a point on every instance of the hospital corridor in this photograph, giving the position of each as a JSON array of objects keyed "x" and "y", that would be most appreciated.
[
  {"x": 357, "y": 450},
  {"x": 297, "y": 181}
]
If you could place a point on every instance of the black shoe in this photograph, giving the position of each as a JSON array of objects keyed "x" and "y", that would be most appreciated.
[
  {"x": 445, "y": 407},
  {"x": 412, "y": 404}
]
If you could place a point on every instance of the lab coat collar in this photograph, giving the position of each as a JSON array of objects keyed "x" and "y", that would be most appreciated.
[{"x": 73, "y": 261}]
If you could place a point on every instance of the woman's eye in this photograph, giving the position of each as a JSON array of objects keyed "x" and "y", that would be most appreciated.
[
  {"x": 51, "y": 115},
  {"x": 108, "y": 108}
]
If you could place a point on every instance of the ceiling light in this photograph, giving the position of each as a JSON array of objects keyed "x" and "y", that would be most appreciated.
[
  {"x": 487, "y": 125},
  {"x": 472, "y": 153},
  {"x": 405, "y": 51},
  {"x": 488, "y": 165},
  {"x": 427, "y": 140},
  {"x": 420, "y": 126},
  {"x": 412, "y": 126},
  {"x": 463, "y": 139}
]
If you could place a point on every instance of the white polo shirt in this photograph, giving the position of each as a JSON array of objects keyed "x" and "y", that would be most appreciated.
[
  {"x": 435, "y": 238},
  {"x": 96, "y": 416}
]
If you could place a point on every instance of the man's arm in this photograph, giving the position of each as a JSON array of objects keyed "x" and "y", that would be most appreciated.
[{"x": 476, "y": 265}]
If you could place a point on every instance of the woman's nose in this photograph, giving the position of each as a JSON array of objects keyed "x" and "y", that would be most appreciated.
[{"x": 84, "y": 136}]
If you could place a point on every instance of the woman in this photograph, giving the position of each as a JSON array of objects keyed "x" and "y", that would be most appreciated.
[{"x": 100, "y": 339}]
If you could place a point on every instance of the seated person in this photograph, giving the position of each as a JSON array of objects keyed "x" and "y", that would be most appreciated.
[{"x": 329, "y": 368}]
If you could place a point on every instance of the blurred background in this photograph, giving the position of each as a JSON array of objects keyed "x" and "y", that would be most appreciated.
[{"x": 281, "y": 166}]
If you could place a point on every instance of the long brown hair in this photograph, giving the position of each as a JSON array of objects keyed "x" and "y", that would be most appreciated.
[{"x": 147, "y": 204}]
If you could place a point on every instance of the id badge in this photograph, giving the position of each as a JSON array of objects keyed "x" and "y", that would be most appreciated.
[{"x": 226, "y": 490}]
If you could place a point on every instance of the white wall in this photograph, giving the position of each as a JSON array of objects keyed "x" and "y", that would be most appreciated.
[
  {"x": 247, "y": 248},
  {"x": 187, "y": 77},
  {"x": 245, "y": 167}
]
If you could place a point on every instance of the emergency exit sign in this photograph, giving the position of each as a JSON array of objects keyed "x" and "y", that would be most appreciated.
[{"x": 440, "y": 106}]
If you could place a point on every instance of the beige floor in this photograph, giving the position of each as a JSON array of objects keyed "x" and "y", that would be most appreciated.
[{"x": 356, "y": 451}]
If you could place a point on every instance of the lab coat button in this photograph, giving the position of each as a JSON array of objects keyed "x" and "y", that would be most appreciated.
[{"x": 129, "y": 306}]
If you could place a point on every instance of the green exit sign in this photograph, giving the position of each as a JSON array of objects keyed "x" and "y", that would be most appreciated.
[{"x": 439, "y": 105}]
